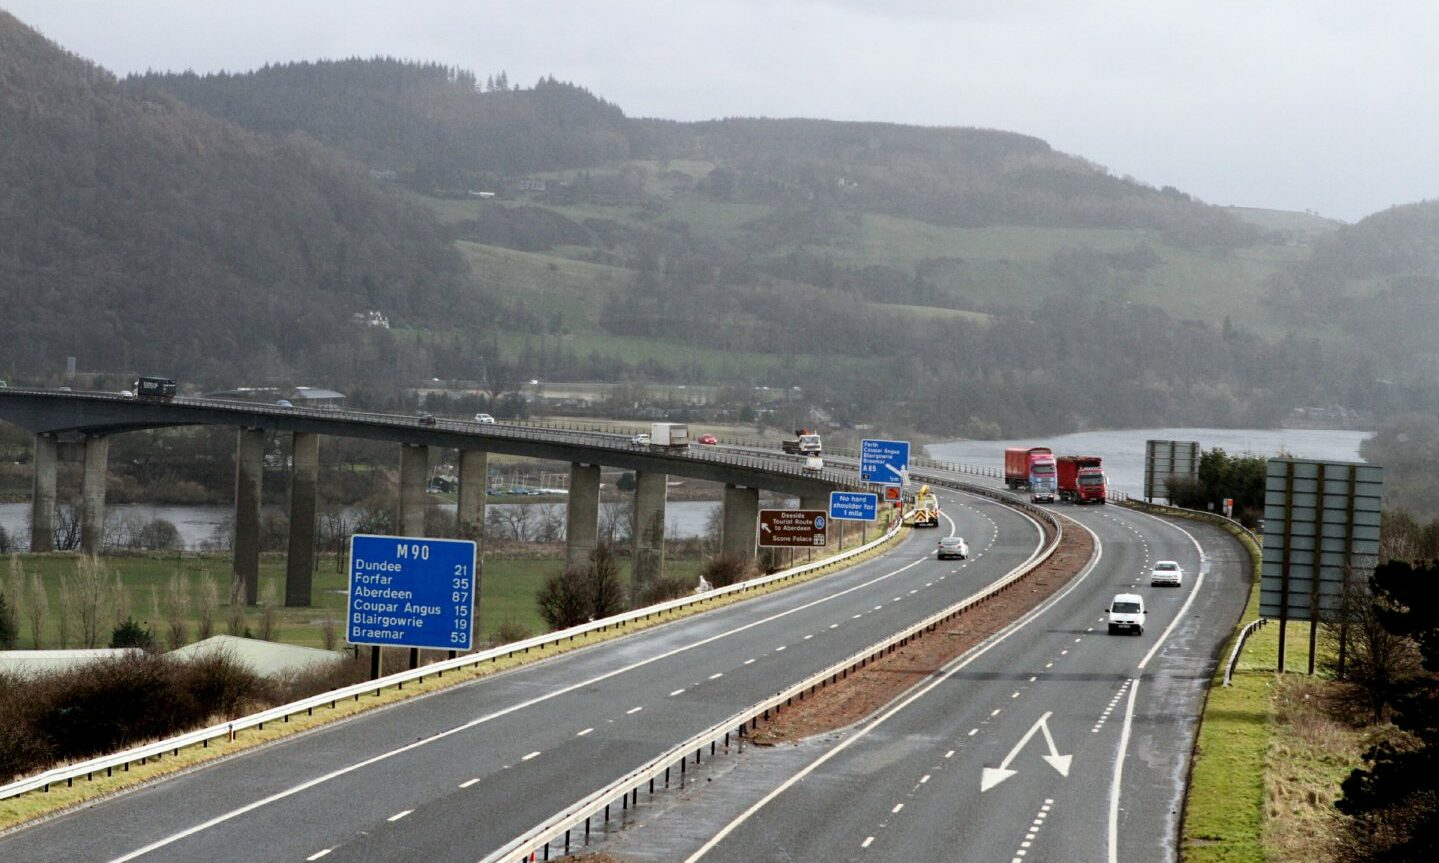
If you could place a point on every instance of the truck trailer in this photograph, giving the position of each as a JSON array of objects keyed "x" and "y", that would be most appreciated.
[
  {"x": 1081, "y": 479},
  {"x": 674, "y": 435},
  {"x": 154, "y": 388},
  {"x": 1031, "y": 469}
]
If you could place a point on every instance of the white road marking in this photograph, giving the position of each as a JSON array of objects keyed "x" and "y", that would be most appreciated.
[
  {"x": 897, "y": 807},
  {"x": 318, "y": 854},
  {"x": 489, "y": 717},
  {"x": 808, "y": 637},
  {"x": 583, "y": 733},
  {"x": 866, "y": 842},
  {"x": 717, "y": 675},
  {"x": 973, "y": 731},
  {"x": 950, "y": 753},
  {"x": 536, "y": 754},
  {"x": 468, "y": 782},
  {"x": 781, "y": 647},
  {"x": 634, "y": 710},
  {"x": 676, "y": 692},
  {"x": 398, "y": 815},
  {"x": 923, "y": 779},
  {"x": 748, "y": 661}
]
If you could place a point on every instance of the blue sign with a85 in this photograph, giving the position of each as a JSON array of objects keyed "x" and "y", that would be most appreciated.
[
  {"x": 883, "y": 461},
  {"x": 408, "y": 591}
]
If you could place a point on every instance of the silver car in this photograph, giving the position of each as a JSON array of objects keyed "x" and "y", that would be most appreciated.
[{"x": 953, "y": 546}]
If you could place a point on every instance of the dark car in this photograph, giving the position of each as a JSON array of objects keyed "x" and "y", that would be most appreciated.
[{"x": 427, "y": 419}]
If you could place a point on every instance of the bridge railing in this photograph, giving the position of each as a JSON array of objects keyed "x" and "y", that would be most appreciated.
[{"x": 579, "y": 815}]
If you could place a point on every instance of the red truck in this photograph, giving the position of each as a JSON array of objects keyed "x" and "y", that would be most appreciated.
[
  {"x": 1031, "y": 469},
  {"x": 1081, "y": 479}
]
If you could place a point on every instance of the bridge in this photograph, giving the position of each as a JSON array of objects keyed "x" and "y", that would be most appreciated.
[{"x": 78, "y": 426}]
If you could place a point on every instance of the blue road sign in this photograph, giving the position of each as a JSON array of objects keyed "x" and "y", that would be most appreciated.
[
  {"x": 883, "y": 461},
  {"x": 853, "y": 505},
  {"x": 410, "y": 591}
]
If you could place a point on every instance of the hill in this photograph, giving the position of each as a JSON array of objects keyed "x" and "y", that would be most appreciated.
[
  {"x": 144, "y": 234},
  {"x": 957, "y": 281}
]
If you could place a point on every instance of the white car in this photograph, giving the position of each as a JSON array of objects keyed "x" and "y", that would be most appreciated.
[
  {"x": 1126, "y": 613},
  {"x": 953, "y": 546},
  {"x": 1166, "y": 572},
  {"x": 641, "y": 439},
  {"x": 484, "y": 419},
  {"x": 814, "y": 464}
]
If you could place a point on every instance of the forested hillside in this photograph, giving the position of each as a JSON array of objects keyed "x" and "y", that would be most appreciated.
[
  {"x": 142, "y": 234},
  {"x": 956, "y": 281}
]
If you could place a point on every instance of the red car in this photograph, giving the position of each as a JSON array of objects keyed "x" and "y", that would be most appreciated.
[{"x": 709, "y": 439}]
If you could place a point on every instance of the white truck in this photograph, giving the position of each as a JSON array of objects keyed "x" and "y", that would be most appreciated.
[{"x": 673, "y": 435}]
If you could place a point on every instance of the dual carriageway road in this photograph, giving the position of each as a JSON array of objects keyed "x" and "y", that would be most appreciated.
[{"x": 453, "y": 775}]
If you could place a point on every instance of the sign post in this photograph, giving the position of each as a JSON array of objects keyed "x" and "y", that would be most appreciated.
[
  {"x": 408, "y": 591},
  {"x": 793, "y": 528},
  {"x": 853, "y": 505},
  {"x": 1166, "y": 458},
  {"x": 885, "y": 462},
  {"x": 1321, "y": 529}
]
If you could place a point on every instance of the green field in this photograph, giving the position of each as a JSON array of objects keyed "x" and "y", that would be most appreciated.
[{"x": 506, "y": 597}]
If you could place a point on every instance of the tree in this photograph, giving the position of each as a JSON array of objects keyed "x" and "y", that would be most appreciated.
[
  {"x": 1393, "y": 803},
  {"x": 564, "y": 599},
  {"x": 9, "y": 629},
  {"x": 607, "y": 595},
  {"x": 132, "y": 634}
]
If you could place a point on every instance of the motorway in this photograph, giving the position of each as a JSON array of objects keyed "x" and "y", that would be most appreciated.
[
  {"x": 1051, "y": 741},
  {"x": 453, "y": 775}
]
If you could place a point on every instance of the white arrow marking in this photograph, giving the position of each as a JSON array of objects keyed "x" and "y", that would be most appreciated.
[{"x": 995, "y": 775}]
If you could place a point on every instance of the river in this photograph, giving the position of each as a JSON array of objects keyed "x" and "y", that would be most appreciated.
[
  {"x": 197, "y": 524},
  {"x": 1123, "y": 451}
]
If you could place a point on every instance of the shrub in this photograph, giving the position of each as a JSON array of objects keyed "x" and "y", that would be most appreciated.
[
  {"x": 724, "y": 570},
  {"x": 131, "y": 634}
]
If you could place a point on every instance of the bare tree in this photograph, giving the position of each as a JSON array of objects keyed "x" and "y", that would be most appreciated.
[
  {"x": 91, "y": 587},
  {"x": 15, "y": 587},
  {"x": 510, "y": 521},
  {"x": 177, "y": 609},
  {"x": 67, "y": 527},
  {"x": 551, "y": 526},
  {"x": 205, "y": 605},
  {"x": 269, "y": 614},
  {"x": 64, "y": 607},
  {"x": 235, "y": 619},
  {"x": 615, "y": 520},
  {"x": 37, "y": 610},
  {"x": 120, "y": 600},
  {"x": 330, "y": 629}
]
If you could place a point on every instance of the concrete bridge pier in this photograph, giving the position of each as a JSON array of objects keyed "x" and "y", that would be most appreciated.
[
  {"x": 300, "y": 556},
  {"x": 249, "y": 473},
  {"x": 470, "y": 513},
  {"x": 414, "y": 478},
  {"x": 582, "y": 514},
  {"x": 92, "y": 494},
  {"x": 474, "y": 467},
  {"x": 648, "y": 533},
  {"x": 42, "y": 497},
  {"x": 741, "y": 522}
]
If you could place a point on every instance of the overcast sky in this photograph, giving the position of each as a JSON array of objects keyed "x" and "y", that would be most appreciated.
[{"x": 1292, "y": 104}]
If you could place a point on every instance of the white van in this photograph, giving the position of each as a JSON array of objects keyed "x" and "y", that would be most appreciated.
[{"x": 1126, "y": 613}]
